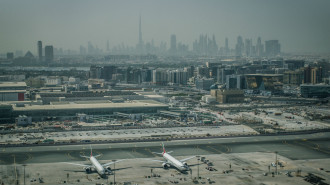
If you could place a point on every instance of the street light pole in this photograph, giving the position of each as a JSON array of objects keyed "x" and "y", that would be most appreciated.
[
  {"x": 276, "y": 162},
  {"x": 24, "y": 172},
  {"x": 198, "y": 158}
]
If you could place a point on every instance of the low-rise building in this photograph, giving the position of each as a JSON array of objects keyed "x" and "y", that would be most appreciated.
[
  {"x": 228, "y": 96},
  {"x": 315, "y": 91}
]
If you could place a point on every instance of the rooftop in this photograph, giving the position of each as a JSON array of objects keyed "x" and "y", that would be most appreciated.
[
  {"x": 12, "y": 84},
  {"x": 132, "y": 104}
]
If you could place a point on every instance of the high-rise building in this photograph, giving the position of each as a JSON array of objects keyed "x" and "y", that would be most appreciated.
[
  {"x": 239, "y": 46},
  {"x": 273, "y": 48},
  {"x": 259, "y": 48},
  {"x": 40, "y": 50},
  {"x": 159, "y": 77},
  {"x": 248, "y": 47},
  {"x": 313, "y": 75},
  {"x": 222, "y": 73},
  {"x": 49, "y": 53},
  {"x": 173, "y": 45},
  {"x": 140, "y": 31},
  {"x": 235, "y": 81},
  {"x": 226, "y": 47},
  {"x": 140, "y": 45}
]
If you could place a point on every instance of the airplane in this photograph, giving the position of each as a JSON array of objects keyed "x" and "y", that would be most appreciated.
[
  {"x": 170, "y": 161},
  {"x": 100, "y": 168}
]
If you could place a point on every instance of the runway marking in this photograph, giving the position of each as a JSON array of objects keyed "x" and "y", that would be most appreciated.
[
  {"x": 4, "y": 150},
  {"x": 30, "y": 149},
  {"x": 215, "y": 149},
  {"x": 228, "y": 149},
  {"x": 57, "y": 148},
  {"x": 29, "y": 158},
  {"x": 314, "y": 148}
]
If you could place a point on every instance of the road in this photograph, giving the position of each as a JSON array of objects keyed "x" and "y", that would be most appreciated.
[{"x": 295, "y": 147}]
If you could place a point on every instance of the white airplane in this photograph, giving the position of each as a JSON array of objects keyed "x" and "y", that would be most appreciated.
[
  {"x": 100, "y": 168},
  {"x": 170, "y": 161}
]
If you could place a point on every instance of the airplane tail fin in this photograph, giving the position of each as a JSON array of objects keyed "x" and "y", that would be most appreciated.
[{"x": 164, "y": 151}]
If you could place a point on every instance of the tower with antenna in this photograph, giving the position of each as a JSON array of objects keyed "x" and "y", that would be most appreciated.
[{"x": 140, "y": 44}]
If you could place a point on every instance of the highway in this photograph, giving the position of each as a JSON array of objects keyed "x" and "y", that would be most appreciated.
[{"x": 295, "y": 147}]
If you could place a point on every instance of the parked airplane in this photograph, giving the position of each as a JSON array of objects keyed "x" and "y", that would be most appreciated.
[
  {"x": 170, "y": 161},
  {"x": 100, "y": 168}
]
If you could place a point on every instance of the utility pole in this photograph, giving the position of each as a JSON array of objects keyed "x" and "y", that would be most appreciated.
[{"x": 114, "y": 172}]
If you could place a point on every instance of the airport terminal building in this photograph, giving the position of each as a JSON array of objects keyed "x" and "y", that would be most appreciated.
[{"x": 70, "y": 111}]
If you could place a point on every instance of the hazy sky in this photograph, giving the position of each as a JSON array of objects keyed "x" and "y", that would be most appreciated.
[{"x": 299, "y": 25}]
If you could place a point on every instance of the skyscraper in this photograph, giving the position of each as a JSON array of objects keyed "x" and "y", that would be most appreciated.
[
  {"x": 239, "y": 46},
  {"x": 173, "y": 45},
  {"x": 140, "y": 46},
  {"x": 140, "y": 32},
  {"x": 226, "y": 47},
  {"x": 49, "y": 53},
  {"x": 40, "y": 50},
  {"x": 259, "y": 48},
  {"x": 273, "y": 47},
  {"x": 248, "y": 47}
]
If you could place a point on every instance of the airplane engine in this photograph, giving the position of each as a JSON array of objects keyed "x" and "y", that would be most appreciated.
[
  {"x": 88, "y": 170},
  {"x": 165, "y": 165},
  {"x": 184, "y": 163},
  {"x": 108, "y": 168}
]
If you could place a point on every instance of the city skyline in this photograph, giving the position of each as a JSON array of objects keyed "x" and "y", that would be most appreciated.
[{"x": 56, "y": 24}]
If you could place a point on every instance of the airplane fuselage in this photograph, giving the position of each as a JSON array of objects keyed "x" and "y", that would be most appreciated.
[
  {"x": 98, "y": 167},
  {"x": 175, "y": 163}
]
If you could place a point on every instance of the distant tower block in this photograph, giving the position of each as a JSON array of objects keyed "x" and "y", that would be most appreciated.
[
  {"x": 40, "y": 50},
  {"x": 49, "y": 53}
]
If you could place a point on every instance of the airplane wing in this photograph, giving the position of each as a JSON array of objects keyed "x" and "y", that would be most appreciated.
[
  {"x": 157, "y": 160},
  {"x": 186, "y": 159},
  {"x": 83, "y": 165},
  {"x": 161, "y": 153},
  {"x": 109, "y": 163}
]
